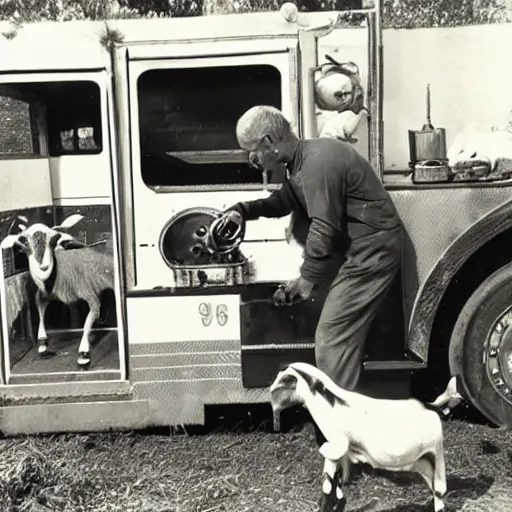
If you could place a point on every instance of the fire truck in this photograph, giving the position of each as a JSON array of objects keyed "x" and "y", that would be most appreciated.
[{"x": 131, "y": 125}]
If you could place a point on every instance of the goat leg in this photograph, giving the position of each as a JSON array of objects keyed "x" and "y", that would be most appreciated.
[
  {"x": 42, "y": 337},
  {"x": 345, "y": 469},
  {"x": 440, "y": 487},
  {"x": 335, "y": 455},
  {"x": 84, "y": 349},
  {"x": 332, "y": 499},
  {"x": 427, "y": 466}
]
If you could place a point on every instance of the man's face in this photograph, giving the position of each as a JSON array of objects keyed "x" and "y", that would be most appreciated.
[{"x": 263, "y": 156}]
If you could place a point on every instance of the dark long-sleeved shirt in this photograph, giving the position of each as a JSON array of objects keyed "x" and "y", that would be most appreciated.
[{"x": 338, "y": 191}]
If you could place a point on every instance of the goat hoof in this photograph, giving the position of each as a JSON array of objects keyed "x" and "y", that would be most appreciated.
[
  {"x": 331, "y": 504},
  {"x": 84, "y": 359},
  {"x": 42, "y": 348}
]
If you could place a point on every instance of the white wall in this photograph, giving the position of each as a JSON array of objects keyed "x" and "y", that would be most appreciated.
[
  {"x": 82, "y": 176},
  {"x": 468, "y": 68},
  {"x": 24, "y": 182}
]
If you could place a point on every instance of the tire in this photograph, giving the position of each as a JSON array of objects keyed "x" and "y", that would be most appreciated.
[{"x": 480, "y": 353}]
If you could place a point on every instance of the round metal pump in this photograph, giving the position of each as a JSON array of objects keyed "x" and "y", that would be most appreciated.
[{"x": 202, "y": 236}]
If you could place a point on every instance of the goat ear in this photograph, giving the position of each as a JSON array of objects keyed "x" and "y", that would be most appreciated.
[
  {"x": 69, "y": 222},
  {"x": 289, "y": 381},
  {"x": 9, "y": 242},
  {"x": 15, "y": 240},
  {"x": 285, "y": 382},
  {"x": 311, "y": 381}
]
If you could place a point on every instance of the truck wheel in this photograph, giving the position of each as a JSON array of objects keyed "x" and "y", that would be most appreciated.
[{"x": 481, "y": 347}]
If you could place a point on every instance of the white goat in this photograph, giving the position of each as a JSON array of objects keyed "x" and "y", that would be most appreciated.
[
  {"x": 395, "y": 435},
  {"x": 65, "y": 275}
]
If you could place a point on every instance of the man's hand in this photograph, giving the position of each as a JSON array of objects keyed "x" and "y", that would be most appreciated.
[
  {"x": 238, "y": 207},
  {"x": 297, "y": 290}
]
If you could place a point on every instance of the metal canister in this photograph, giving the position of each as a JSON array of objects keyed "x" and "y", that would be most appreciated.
[
  {"x": 431, "y": 171},
  {"x": 429, "y": 143}
]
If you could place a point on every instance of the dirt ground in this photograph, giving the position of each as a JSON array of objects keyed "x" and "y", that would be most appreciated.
[{"x": 235, "y": 470}]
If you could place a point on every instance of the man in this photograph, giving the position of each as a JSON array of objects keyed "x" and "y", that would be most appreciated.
[{"x": 349, "y": 217}]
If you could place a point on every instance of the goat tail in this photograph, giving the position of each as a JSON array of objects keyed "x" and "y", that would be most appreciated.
[{"x": 448, "y": 399}]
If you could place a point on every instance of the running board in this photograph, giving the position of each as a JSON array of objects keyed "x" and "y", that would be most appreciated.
[
  {"x": 59, "y": 393},
  {"x": 394, "y": 365},
  {"x": 44, "y": 418},
  {"x": 261, "y": 363}
]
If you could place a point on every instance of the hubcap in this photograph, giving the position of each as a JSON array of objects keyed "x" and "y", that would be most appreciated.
[{"x": 498, "y": 356}]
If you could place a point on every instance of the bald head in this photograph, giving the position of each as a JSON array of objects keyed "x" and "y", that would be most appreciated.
[{"x": 259, "y": 122}]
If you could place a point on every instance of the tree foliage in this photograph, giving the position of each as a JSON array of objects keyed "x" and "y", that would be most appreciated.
[
  {"x": 396, "y": 13},
  {"x": 444, "y": 13},
  {"x": 23, "y": 11}
]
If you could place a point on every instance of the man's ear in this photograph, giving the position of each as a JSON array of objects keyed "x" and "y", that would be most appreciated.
[
  {"x": 267, "y": 140},
  {"x": 254, "y": 160}
]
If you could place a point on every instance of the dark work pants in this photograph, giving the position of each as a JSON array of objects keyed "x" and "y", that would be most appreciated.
[{"x": 354, "y": 297}]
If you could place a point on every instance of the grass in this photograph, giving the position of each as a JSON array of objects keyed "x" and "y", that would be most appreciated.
[{"x": 234, "y": 471}]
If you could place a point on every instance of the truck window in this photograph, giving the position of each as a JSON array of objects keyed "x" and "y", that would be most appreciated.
[
  {"x": 50, "y": 118},
  {"x": 188, "y": 118},
  {"x": 16, "y": 130},
  {"x": 74, "y": 118}
]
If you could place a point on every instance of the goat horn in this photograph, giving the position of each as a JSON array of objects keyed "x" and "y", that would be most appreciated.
[
  {"x": 23, "y": 218},
  {"x": 22, "y": 227},
  {"x": 69, "y": 221}
]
